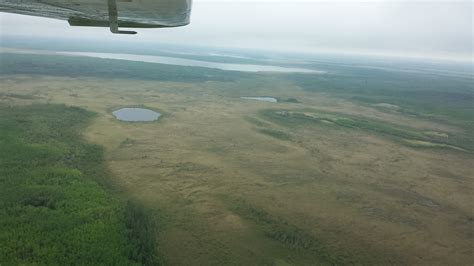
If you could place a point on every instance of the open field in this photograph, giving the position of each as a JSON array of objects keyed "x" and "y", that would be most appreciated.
[{"x": 321, "y": 179}]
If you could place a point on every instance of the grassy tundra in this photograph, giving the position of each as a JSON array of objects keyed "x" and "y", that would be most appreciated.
[{"x": 347, "y": 172}]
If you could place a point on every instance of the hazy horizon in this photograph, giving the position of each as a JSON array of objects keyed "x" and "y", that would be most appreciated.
[{"x": 425, "y": 29}]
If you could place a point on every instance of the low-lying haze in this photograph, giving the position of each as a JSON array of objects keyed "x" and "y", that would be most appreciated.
[{"x": 440, "y": 29}]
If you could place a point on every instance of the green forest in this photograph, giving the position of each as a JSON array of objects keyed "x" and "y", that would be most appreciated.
[{"x": 55, "y": 204}]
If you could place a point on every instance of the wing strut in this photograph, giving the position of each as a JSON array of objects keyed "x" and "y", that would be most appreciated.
[{"x": 113, "y": 19}]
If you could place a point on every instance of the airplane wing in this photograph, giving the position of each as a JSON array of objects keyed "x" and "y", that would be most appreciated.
[{"x": 107, "y": 13}]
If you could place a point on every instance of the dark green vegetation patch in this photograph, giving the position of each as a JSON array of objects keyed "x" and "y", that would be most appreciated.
[
  {"x": 278, "y": 134},
  {"x": 301, "y": 245},
  {"x": 54, "y": 208},
  {"x": 288, "y": 100},
  {"x": 446, "y": 98},
  {"x": 405, "y": 135},
  {"x": 18, "y": 96},
  {"x": 289, "y": 235}
]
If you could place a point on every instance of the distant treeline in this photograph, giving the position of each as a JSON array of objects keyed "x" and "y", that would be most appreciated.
[
  {"x": 433, "y": 96},
  {"x": 55, "y": 205},
  {"x": 77, "y": 66}
]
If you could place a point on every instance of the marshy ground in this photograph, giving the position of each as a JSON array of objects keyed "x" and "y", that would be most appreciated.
[{"x": 318, "y": 180}]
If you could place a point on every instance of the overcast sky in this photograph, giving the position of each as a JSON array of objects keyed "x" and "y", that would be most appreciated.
[{"x": 412, "y": 28}]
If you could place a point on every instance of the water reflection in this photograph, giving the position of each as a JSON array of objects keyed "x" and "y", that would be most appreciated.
[
  {"x": 136, "y": 115},
  {"x": 263, "y": 99},
  {"x": 195, "y": 63}
]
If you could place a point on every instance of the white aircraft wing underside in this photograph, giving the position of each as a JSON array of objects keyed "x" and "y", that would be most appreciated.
[{"x": 100, "y": 13}]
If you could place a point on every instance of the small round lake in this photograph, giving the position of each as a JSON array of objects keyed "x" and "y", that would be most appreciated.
[{"x": 136, "y": 115}]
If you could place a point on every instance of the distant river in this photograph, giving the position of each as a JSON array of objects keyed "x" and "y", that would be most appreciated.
[
  {"x": 195, "y": 63},
  {"x": 263, "y": 99}
]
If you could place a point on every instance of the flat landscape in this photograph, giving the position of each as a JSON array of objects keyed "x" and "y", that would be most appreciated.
[{"x": 353, "y": 165}]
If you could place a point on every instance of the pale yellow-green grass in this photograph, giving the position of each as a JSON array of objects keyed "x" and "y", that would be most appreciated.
[{"x": 227, "y": 186}]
